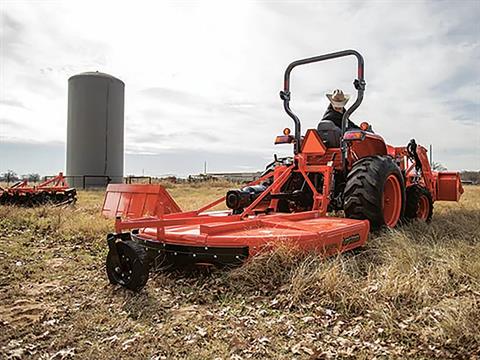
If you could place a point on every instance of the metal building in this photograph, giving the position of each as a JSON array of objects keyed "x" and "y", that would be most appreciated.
[{"x": 95, "y": 129}]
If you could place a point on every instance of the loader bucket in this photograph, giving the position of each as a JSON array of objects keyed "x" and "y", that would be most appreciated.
[
  {"x": 137, "y": 200},
  {"x": 449, "y": 186}
]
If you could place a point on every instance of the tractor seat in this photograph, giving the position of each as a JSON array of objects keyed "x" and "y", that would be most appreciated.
[{"x": 329, "y": 133}]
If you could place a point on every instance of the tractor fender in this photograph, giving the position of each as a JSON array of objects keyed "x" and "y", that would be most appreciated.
[{"x": 371, "y": 145}]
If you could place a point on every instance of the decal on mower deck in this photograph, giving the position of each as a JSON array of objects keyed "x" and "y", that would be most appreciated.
[{"x": 351, "y": 239}]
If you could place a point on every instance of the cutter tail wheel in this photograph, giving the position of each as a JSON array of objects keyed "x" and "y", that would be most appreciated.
[
  {"x": 419, "y": 204},
  {"x": 375, "y": 191},
  {"x": 127, "y": 264}
]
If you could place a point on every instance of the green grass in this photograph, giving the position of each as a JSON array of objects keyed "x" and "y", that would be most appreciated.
[{"x": 413, "y": 292}]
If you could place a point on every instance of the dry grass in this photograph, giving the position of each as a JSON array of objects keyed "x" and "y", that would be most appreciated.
[{"x": 411, "y": 293}]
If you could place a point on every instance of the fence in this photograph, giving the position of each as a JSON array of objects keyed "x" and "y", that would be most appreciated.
[
  {"x": 134, "y": 179},
  {"x": 85, "y": 181},
  {"x": 237, "y": 177},
  {"x": 98, "y": 181}
]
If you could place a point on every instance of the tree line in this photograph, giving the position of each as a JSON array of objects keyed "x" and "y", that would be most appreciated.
[{"x": 10, "y": 176}]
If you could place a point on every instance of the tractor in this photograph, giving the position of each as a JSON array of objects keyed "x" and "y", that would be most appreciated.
[{"x": 332, "y": 170}]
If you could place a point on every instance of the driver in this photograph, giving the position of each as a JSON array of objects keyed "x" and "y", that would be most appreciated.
[{"x": 336, "y": 109}]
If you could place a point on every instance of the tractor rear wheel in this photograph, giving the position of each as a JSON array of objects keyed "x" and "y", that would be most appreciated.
[
  {"x": 375, "y": 191},
  {"x": 128, "y": 265},
  {"x": 419, "y": 204}
]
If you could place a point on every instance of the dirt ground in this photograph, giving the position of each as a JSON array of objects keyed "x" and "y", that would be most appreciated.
[{"x": 413, "y": 292}]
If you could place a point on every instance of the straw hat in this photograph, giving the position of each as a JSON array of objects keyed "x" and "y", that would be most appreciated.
[{"x": 338, "y": 98}]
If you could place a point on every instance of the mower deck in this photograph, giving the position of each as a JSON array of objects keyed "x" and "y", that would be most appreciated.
[{"x": 220, "y": 237}]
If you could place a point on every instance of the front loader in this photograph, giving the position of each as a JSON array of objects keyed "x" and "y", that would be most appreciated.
[{"x": 375, "y": 184}]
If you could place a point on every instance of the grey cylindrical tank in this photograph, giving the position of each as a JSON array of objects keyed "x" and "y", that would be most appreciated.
[{"x": 95, "y": 128}]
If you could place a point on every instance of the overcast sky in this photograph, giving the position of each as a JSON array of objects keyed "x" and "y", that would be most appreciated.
[{"x": 202, "y": 78}]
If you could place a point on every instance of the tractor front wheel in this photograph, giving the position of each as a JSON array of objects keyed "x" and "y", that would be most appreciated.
[
  {"x": 375, "y": 191},
  {"x": 419, "y": 204},
  {"x": 128, "y": 265}
]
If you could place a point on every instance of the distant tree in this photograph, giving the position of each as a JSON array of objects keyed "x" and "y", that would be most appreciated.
[
  {"x": 32, "y": 177},
  {"x": 473, "y": 176},
  {"x": 438, "y": 167},
  {"x": 9, "y": 176}
]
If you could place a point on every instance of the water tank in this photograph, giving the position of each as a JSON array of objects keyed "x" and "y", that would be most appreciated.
[{"x": 95, "y": 129}]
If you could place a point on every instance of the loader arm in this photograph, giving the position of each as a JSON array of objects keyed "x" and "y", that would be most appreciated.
[{"x": 442, "y": 185}]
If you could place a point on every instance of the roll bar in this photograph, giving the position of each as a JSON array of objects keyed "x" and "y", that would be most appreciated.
[{"x": 359, "y": 84}]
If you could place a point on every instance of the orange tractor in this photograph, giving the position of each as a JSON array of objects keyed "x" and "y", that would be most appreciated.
[{"x": 375, "y": 184}]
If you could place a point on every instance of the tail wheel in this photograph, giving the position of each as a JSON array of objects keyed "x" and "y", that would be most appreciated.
[
  {"x": 128, "y": 265},
  {"x": 419, "y": 204},
  {"x": 375, "y": 192}
]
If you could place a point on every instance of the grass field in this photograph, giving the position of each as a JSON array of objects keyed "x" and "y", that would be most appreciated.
[{"x": 410, "y": 293}]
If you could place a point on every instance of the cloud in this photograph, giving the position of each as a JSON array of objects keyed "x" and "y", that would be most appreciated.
[
  {"x": 4, "y": 121},
  {"x": 169, "y": 95},
  {"x": 187, "y": 162},
  {"x": 188, "y": 137},
  {"x": 12, "y": 102},
  {"x": 10, "y": 38},
  {"x": 27, "y": 157}
]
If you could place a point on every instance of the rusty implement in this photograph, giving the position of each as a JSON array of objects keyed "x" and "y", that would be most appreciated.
[{"x": 55, "y": 191}]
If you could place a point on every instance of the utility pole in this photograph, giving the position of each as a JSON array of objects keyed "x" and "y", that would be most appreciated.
[
  {"x": 205, "y": 167},
  {"x": 431, "y": 155}
]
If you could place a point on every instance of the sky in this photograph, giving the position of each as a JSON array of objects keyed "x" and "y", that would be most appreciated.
[{"x": 202, "y": 77}]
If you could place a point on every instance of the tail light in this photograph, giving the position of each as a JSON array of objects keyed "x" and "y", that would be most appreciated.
[{"x": 354, "y": 135}]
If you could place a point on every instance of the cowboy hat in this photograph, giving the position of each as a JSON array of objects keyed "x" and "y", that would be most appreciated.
[{"x": 338, "y": 98}]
